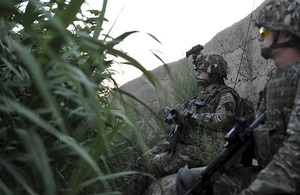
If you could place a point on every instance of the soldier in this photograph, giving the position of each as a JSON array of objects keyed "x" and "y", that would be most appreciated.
[
  {"x": 277, "y": 141},
  {"x": 211, "y": 112}
]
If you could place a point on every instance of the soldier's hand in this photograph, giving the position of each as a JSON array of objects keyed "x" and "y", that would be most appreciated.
[
  {"x": 164, "y": 112},
  {"x": 173, "y": 117}
]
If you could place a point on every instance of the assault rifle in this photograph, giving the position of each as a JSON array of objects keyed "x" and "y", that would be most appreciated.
[
  {"x": 174, "y": 118},
  {"x": 239, "y": 138}
]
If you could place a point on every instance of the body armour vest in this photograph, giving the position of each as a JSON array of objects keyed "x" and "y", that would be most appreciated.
[
  {"x": 204, "y": 102},
  {"x": 281, "y": 90}
]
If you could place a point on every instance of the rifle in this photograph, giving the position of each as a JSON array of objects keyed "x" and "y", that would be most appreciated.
[
  {"x": 239, "y": 139},
  {"x": 174, "y": 118}
]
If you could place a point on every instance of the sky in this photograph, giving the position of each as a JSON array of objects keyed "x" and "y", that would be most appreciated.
[{"x": 177, "y": 24}]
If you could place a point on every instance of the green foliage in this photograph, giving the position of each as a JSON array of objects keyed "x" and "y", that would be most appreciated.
[
  {"x": 212, "y": 145},
  {"x": 183, "y": 82},
  {"x": 131, "y": 141},
  {"x": 55, "y": 115}
]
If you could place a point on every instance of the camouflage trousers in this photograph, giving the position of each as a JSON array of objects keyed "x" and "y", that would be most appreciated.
[
  {"x": 232, "y": 182},
  {"x": 162, "y": 164}
]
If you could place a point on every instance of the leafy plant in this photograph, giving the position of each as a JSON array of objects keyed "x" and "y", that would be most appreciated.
[
  {"x": 56, "y": 118},
  {"x": 184, "y": 83}
]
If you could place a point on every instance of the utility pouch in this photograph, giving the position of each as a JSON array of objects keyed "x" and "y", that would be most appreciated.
[{"x": 262, "y": 143}]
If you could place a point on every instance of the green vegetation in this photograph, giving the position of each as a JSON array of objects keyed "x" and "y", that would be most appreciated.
[
  {"x": 60, "y": 131},
  {"x": 56, "y": 119},
  {"x": 184, "y": 79}
]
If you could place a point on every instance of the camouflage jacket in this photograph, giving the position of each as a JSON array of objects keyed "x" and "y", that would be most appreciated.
[
  {"x": 282, "y": 98},
  {"x": 212, "y": 111}
]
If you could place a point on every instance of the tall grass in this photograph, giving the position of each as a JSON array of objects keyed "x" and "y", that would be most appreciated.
[
  {"x": 56, "y": 119},
  {"x": 60, "y": 131},
  {"x": 183, "y": 82}
]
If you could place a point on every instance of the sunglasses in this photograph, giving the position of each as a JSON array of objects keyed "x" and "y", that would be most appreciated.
[{"x": 264, "y": 33}]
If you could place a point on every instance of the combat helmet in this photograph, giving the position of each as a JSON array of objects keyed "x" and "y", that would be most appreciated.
[
  {"x": 281, "y": 16},
  {"x": 214, "y": 65}
]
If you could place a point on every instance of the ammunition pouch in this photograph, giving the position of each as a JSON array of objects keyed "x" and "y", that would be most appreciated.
[{"x": 267, "y": 141}]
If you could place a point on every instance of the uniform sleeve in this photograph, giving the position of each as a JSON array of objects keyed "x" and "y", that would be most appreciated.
[
  {"x": 282, "y": 174},
  {"x": 222, "y": 117},
  {"x": 261, "y": 107}
]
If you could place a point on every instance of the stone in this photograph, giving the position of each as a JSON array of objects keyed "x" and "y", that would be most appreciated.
[{"x": 165, "y": 184}]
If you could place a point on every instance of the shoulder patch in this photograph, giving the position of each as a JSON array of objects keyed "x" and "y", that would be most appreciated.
[{"x": 228, "y": 107}]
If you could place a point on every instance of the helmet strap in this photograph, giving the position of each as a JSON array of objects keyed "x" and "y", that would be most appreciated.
[
  {"x": 293, "y": 42},
  {"x": 205, "y": 83},
  {"x": 266, "y": 52},
  {"x": 211, "y": 81}
]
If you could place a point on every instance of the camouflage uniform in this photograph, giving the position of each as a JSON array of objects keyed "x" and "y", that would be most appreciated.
[
  {"x": 213, "y": 118},
  {"x": 282, "y": 171},
  {"x": 277, "y": 142}
]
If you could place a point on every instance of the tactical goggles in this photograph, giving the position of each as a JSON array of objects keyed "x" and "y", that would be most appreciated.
[{"x": 264, "y": 33}]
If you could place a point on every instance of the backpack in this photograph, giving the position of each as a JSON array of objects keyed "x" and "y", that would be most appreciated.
[{"x": 244, "y": 106}]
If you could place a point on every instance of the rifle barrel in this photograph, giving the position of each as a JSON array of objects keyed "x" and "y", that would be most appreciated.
[{"x": 224, "y": 158}]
